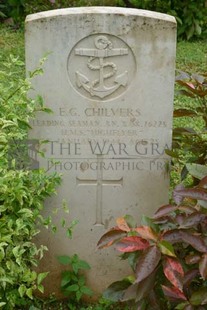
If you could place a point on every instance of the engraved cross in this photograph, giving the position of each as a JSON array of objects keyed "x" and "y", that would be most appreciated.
[{"x": 99, "y": 182}]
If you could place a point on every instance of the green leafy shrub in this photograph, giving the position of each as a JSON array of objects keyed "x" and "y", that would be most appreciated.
[
  {"x": 22, "y": 192},
  {"x": 14, "y": 9},
  {"x": 190, "y": 14},
  {"x": 73, "y": 282},
  {"x": 168, "y": 254},
  {"x": 42, "y": 5},
  {"x": 189, "y": 140}
]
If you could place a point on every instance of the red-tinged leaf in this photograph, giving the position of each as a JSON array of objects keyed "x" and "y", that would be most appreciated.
[
  {"x": 110, "y": 237},
  {"x": 130, "y": 293},
  {"x": 184, "y": 171},
  {"x": 192, "y": 259},
  {"x": 189, "y": 307},
  {"x": 179, "y": 219},
  {"x": 131, "y": 244},
  {"x": 198, "y": 78},
  {"x": 139, "y": 290},
  {"x": 176, "y": 194},
  {"x": 185, "y": 93},
  {"x": 182, "y": 76},
  {"x": 189, "y": 276},
  {"x": 191, "y": 85},
  {"x": 203, "y": 266},
  {"x": 145, "y": 286},
  {"x": 141, "y": 305},
  {"x": 203, "y": 182},
  {"x": 184, "y": 130},
  {"x": 173, "y": 294},
  {"x": 193, "y": 220},
  {"x": 122, "y": 224},
  {"x": 164, "y": 210},
  {"x": 184, "y": 112},
  {"x": 171, "y": 153},
  {"x": 195, "y": 241},
  {"x": 199, "y": 297},
  {"x": 196, "y": 193},
  {"x": 173, "y": 272},
  {"x": 147, "y": 263},
  {"x": 172, "y": 236},
  {"x": 146, "y": 232},
  {"x": 186, "y": 209},
  {"x": 187, "y": 84},
  {"x": 153, "y": 300}
]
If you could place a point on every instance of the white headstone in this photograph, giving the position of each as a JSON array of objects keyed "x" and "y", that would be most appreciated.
[{"x": 109, "y": 80}]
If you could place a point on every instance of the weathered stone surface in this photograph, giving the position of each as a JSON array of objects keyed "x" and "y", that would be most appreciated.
[{"x": 109, "y": 79}]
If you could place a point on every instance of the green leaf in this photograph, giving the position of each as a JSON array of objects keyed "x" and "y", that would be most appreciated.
[
  {"x": 166, "y": 248},
  {"x": 29, "y": 293},
  {"x": 130, "y": 220},
  {"x": 34, "y": 308},
  {"x": 81, "y": 281},
  {"x": 83, "y": 265},
  {"x": 171, "y": 153},
  {"x": 197, "y": 171},
  {"x": 78, "y": 295},
  {"x": 86, "y": 290},
  {"x": 182, "y": 306},
  {"x": 66, "y": 278},
  {"x": 116, "y": 290},
  {"x": 47, "y": 110},
  {"x": 200, "y": 297},
  {"x": 41, "y": 277},
  {"x": 64, "y": 260},
  {"x": 54, "y": 229},
  {"x": 26, "y": 212},
  {"x": 140, "y": 290},
  {"x": 147, "y": 221},
  {"x": 40, "y": 288},
  {"x": 72, "y": 288},
  {"x": 198, "y": 28},
  {"x": 22, "y": 289},
  {"x": 203, "y": 266}
]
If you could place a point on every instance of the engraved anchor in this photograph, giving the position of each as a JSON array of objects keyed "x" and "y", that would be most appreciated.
[{"x": 103, "y": 50}]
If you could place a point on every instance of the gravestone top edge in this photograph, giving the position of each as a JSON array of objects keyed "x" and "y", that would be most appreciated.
[{"x": 100, "y": 10}]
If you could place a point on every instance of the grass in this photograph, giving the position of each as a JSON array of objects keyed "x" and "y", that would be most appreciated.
[{"x": 191, "y": 57}]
